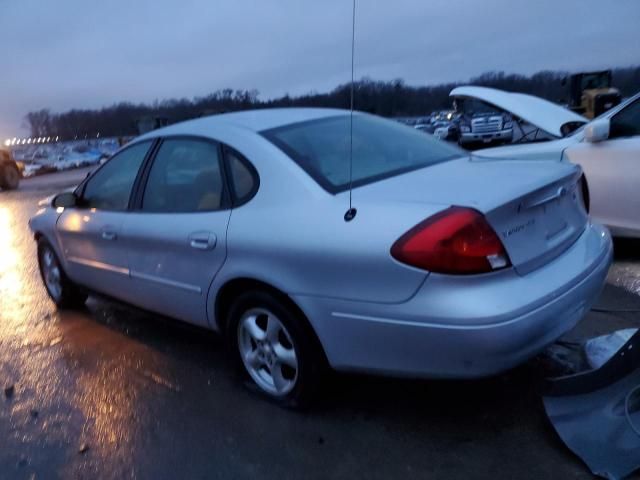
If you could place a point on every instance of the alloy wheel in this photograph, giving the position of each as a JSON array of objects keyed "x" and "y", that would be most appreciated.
[
  {"x": 51, "y": 273},
  {"x": 267, "y": 351}
]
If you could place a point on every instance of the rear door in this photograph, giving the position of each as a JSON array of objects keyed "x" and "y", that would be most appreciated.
[
  {"x": 612, "y": 169},
  {"x": 176, "y": 235},
  {"x": 90, "y": 234}
]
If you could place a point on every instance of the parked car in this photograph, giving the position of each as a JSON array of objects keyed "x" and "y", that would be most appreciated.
[
  {"x": 237, "y": 223},
  {"x": 608, "y": 150},
  {"x": 10, "y": 171},
  {"x": 446, "y": 130},
  {"x": 424, "y": 127}
]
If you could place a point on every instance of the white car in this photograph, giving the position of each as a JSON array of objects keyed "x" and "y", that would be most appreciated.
[{"x": 607, "y": 148}]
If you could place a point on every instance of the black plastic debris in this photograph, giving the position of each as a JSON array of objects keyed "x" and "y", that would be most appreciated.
[
  {"x": 599, "y": 350},
  {"x": 597, "y": 412}
]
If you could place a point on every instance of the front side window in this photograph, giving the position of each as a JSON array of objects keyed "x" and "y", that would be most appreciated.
[
  {"x": 381, "y": 148},
  {"x": 185, "y": 177},
  {"x": 110, "y": 187},
  {"x": 626, "y": 123}
]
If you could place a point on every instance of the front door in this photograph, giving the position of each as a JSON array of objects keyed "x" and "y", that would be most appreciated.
[
  {"x": 176, "y": 236},
  {"x": 90, "y": 234}
]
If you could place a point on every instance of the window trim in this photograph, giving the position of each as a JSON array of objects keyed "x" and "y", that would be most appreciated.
[
  {"x": 80, "y": 189},
  {"x": 138, "y": 195},
  {"x": 237, "y": 201}
]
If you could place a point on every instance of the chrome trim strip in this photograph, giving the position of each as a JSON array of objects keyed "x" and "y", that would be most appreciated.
[
  {"x": 166, "y": 282},
  {"x": 410, "y": 323},
  {"x": 99, "y": 265}
]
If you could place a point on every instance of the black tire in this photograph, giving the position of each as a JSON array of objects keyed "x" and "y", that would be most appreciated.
[
  {"x": 69, "y": 295},
  {"x": 9, "y": 176},
  {"x": 311, "y": 362}
]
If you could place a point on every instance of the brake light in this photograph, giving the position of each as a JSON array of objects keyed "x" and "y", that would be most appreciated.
[{"x": 456, "y": 241}]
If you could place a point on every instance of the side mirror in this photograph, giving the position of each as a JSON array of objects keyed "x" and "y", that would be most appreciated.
[
  {"x": 597, "y": 131},
  {"x": 65, "y": 200}
]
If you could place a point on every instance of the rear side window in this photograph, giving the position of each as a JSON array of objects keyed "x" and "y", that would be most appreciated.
[
  {"x": 381, "y": 148},
  {"x": 185, "y": 177},
  {"x": 244, "y": 178},
  {"x": 110, "y": 187}
]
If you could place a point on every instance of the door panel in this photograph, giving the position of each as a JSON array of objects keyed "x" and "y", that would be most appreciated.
[
  {"x": 176, "y": 237},
  {"x": 92, "y": 249},
  {"x": 90, "y": 233},
  {"x": 612, "y": 169},
  {"x": 173, "y": 259}
]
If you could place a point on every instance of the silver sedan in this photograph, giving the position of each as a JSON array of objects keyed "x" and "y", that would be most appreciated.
[{"x": 443, "y": 265}]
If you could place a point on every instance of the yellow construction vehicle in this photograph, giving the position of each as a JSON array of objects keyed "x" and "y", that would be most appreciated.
[
  {"x": 10, "y": 171},
  {"x": 591, "y": 93}
]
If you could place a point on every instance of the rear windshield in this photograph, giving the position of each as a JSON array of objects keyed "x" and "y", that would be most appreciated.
[{"x": 381, "y": 148}]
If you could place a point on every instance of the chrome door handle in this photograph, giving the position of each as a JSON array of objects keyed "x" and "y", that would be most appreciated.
[
  {"x": 202, "y": 240},
  {"x": 108, "y": 235}
]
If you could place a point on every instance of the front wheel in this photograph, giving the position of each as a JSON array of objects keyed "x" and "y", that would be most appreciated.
[
  {"x": 61, "y": 290},
  {"x": 275, "y": 348}
]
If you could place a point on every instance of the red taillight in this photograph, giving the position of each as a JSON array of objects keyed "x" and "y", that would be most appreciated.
[{"x": 457, "y": 240}]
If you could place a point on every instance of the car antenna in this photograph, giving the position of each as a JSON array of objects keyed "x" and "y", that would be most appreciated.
[{"x": 351, "y": 213}]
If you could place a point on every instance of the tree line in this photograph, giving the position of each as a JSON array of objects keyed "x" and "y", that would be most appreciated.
[{"x": 386, "y": 98}]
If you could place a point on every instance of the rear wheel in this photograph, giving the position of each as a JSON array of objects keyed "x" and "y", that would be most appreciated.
[
  {"x": 9, "y": 177},
  {"x": 273, "y": 347},
  {"x": 61, "y": 290}
]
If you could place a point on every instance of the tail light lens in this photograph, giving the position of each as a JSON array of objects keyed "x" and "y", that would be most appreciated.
[{"x": 455, "y": 241}]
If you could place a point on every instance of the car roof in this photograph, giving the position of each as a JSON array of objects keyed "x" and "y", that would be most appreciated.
[{"x": 261, "y": 119}]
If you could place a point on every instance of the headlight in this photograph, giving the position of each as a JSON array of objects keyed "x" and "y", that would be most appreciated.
[
  {"x": 464, "y": 129},
  {"x": 508, "y": 125}
]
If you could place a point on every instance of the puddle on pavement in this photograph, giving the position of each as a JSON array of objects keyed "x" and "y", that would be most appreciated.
[{"x": 626, "y": 274}]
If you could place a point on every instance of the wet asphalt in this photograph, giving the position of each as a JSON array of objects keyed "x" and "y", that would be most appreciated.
[{"x": 112, "y": 392}]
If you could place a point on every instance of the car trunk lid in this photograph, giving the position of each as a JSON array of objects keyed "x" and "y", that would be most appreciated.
[{"x": 535, "y": 208}]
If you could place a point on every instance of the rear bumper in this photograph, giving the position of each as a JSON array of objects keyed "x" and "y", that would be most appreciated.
[
  {"x": 465, "y": 326},
  {"x": 503, "y": 135}
]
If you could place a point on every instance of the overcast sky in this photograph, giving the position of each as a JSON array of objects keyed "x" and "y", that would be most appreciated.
[{"x": 88, "y": 53}]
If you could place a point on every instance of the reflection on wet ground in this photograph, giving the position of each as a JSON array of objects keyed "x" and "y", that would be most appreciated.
[
  {"x": 625, "y": 272},
  {"x": 111, "y": 392}
]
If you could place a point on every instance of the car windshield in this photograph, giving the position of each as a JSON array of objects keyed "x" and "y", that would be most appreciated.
[
  {"x": 608, "y": 113},
  {"x": 381, "y": 149},
  {"x": 472, "y": 106}
]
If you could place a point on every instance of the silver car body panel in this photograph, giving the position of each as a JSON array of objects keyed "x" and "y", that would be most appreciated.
[
  {"x": 292, "y": 236},
  {"x": 92, "y": 249},
  {"x": 465, "y": 327},
  {"x": 172, "y": 260}
]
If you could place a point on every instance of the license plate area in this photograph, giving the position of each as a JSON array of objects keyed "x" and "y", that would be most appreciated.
[{"x": 553, "y": 220}]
